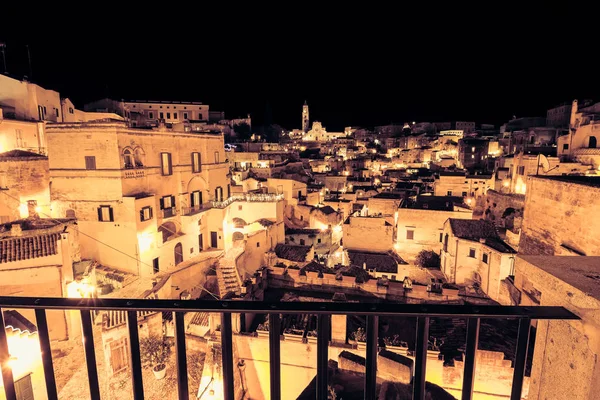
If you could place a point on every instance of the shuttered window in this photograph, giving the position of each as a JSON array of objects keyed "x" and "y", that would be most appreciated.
[
  {"x": 90, "y": 162},
  {"x": 166, "y": 165},
  {"x": 105, "y": 214}
]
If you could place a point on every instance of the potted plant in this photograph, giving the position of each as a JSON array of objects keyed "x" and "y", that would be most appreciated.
[{"x": 155, "y": 351}]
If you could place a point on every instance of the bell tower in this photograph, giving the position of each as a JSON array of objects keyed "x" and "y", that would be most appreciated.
[{"x": 305, "y": 120}]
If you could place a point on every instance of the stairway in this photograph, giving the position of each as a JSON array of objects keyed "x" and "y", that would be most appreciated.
[{"x": 227, "y": 273}]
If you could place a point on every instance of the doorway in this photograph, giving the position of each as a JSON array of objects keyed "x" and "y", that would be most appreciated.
[
  {"x": 155, "y": 268},
  {"x": 178, "y": 253},
  {"x": 200, "y": 242},
  {"x": 213, "y": 240}
]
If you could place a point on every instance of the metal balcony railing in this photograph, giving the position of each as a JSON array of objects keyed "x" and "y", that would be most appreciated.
[
  {"x": 423, "y": 312},
  {"x": 169, "y": 212}
]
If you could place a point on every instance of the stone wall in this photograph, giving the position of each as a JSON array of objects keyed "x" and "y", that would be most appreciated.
[
  {"x": 26, "y": 179},
  {"x": 560, "y": 218},
  {"x": 394, "y": 367},
  {"x": 505, "y": 210}
]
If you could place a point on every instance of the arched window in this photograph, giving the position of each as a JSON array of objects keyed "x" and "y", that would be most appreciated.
[
  {"x": 139, "y": 154},
  {"x": 593, "y": 142},
  {"x": 128, "y": 158}
]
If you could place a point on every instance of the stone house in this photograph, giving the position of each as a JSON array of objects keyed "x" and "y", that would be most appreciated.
[
  {"x": 373, "y": 234},
  {"x": 474, "y": 254}
]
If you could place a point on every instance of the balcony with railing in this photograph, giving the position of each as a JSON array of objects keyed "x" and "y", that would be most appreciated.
[
  {"x": 232, "y": 365},
  {"x": 169, "y": 212},
  {"x": 249, "y": 197}
]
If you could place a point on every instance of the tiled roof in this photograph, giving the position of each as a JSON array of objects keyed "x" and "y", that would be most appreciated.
[
  {"x": 200, "y": 319},
  {"x": 314, "y": 266},
  {"x": 500, "y": 245},
  {"x": 327, "y": 210},
  {"x": 292, "y": 252},
  {"x": 473, "y": 229},
  {"x": 25, "y": 248},
  {"x": 380, "y": 262},
  {"x": 16, "y": 321},
  {"x": 301, "y": 231}
]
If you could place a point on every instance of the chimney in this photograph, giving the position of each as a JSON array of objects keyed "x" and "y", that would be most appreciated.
[
  {"x": 482, "y": 240},
  {"x": 574, "y": 109},
  {"x": 15, "y": 230}
]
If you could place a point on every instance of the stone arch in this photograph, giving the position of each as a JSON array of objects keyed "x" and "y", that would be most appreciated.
[
  {"x": 178, "y": 253},
  {"x": 237, "y": 236},
  {"x": 197, "y": 183},
  {"x": 128, "y": 158},
  {"x": 239, "y": 223},
  {"x": 167, "y": 230}
]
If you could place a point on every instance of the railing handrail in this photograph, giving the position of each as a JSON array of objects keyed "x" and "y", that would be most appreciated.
[{"x": 377, "y": 309}]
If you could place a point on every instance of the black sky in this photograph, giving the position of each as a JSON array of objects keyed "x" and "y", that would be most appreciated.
[{"x": 354, "y": 66}]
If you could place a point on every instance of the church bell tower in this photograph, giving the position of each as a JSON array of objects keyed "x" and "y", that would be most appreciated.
[{"x": 305, "y": 120}]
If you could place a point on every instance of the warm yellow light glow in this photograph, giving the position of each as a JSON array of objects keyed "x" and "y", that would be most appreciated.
[
  {"x": 346, "y": 173},
  {"x": 505, "y": 184},
  {"x": 469, "y": 201},
  {"x": 80, "y": 289},
  {"x": 24, "y": 353},
  {"x": 337, "y": 229},
  {"x": 38, "y": 209},
  {"x": 145, "y": 241},
  {"x": 23, "y": 210}
]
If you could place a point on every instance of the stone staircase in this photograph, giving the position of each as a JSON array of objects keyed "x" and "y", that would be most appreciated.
[{"x": 227, "y": 273}]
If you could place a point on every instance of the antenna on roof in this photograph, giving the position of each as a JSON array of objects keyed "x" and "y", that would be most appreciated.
[
  {"x": 3, "y": 47},
  {"x": 29, "y": 60}
]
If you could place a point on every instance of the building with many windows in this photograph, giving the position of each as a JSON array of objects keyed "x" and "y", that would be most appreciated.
[{"x": 148, "y": 199}]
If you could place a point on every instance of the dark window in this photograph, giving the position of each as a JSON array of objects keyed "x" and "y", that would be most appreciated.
[
  {"x": 174, "y": 115},
  {"x": 70, "y": 110},
  {"x": 90, "y": 162},
  {"x": 146, "y": 213},
  {"x": 168, "y": 115},
  {"x": 105, "y": 214},
  {"x": 449, "y": 193},
  {"x": 446, "y": 243},
  {"x": 593, "y": 142},
  {"x": 302, "y": 242},
  {"x": 167, "y": 202},
  {"x": 257, "y": 244},
  {"x": 166, "y": 166},
  {"x": 200, "y": 116},
  {"x": 219, "y": 193},
  {"x": 410, "y": 235},
  {"x": 472, "y": 252},
  {"x": 318, "y": 240},
  {"x": 441, "y": 237},
  {"x": 196, "y": 166},
  {"x": 521, "y": 170},
  {"x": 151, "y": 115},
  {"x": 464, "y": 194},
  {"x": 566, "y": 146},
  {"x": 185, "y": 116},
  {"x": 484, "y": 258},
  {"x": 195, "y": 198},
  {"x": 162, "y": 115}
]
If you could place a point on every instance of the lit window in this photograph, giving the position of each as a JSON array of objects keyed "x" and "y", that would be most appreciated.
[
  {"x": 472, "y": 155},
  {"x": 472, "y": 149},
  {"x": 166, "y": 166},
  {"x": 90, "y": 162},
  {"x": 196, "y": 198},
  {"x": 196, "y": 166},
  {"x": 146, "y": 213},
  {"x": 105, "y": 214}
]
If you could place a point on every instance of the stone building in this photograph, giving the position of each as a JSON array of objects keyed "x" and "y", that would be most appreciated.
[
  {"x": 581, "y": 142},
  {"x": 24, "y": 185},
  {"x": 368, "y": 234},
  {"x": 474, "y": 254},
  {"x": 559, "y": 116},
  {"x": 37, "y": 257},
  {"x": 319, "y": 239},
  {"x": 26, "y": 101},
  {"x": 149, "y": 199},
  {"x": 472, "y": 153},
  {"x": 560, "y": 216},
  {"x": 420, "y": 224},
  {"x": 21, "y": 135},
  {"x": 566, "y": 351},
  {"x": 458, "y": 183}
]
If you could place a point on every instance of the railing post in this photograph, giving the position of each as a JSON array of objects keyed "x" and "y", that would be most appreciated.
[
  {"x": 90, "y": 354},
  {"x": 323, "y": 323},
  {"x": 227, "y": 356},
  {"x": 43, "y": 335},
  {"x": 134, "y": 356},
  {"x": 7, "y": 375},
  {"x": 275, "y": 355},
  {"x": 469, "y": 369},
  {"x": 421, "y": 358},
  {"x": 520, "y": 358},
  {"x": 182, "y": 373},
  {"x": 371, "y": 360}
]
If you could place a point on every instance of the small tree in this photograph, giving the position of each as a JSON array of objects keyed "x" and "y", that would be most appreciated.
[
  {"x": 428, "y": 259},
  {"x": 154, "y": 351}
]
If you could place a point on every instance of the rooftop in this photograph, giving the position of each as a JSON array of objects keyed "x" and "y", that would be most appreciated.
[
  {"x": 582, "y": 273},
  {"x": 301, "y": 231},
  {"x": 292, "y": 252},
  {"x": 21, "y": 154},
  {"x": 380, "y": 262},
  {"x": 473, "y": 229},
  {"x": 593, "y": 181}
]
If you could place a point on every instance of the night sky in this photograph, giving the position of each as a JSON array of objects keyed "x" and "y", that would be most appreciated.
[{"x": 361, "y": 68}]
